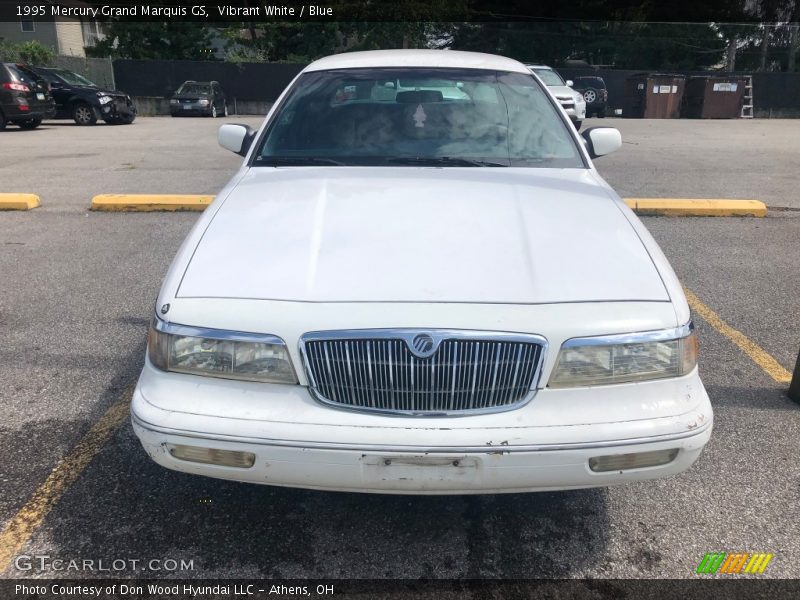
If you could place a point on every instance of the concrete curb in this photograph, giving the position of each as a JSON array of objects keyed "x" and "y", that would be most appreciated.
[
  {"x": 150, "y": 202},
  {"x": 688, "y": 207},
  {"x": 18, "y": 201}
]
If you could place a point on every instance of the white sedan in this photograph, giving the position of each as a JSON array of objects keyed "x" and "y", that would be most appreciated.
[{"x": 410, "y": 290}]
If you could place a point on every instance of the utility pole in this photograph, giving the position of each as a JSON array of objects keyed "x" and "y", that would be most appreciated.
[
  {"x": 732, "y": 44},
  {"x": 764, "y": 48}
]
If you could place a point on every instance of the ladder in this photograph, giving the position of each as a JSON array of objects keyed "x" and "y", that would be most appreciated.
[{"x": 747, "y": 106}]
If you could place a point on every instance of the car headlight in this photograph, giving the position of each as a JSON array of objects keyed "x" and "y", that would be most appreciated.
[
  {"x": 174, "y": 101},
  {"x": 625, "y": 358},
  {"x": 579, "y": 99},
  {"x": 203, "y": 102},
  {"x": 219, "y": 353},
  {"x": 104, "y": 99}
]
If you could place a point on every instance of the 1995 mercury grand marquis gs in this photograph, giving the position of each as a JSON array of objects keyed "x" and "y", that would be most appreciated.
[{"x": 418, "y": 283}]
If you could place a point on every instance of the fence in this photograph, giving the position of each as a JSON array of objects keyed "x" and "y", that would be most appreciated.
[
  {"x": 244, "y": 81},
  {"x": 255, "y": 85},
  {"x": 98, "y": 70}
]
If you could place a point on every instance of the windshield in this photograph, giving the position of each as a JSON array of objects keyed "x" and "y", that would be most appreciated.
[
  {"x": 68, "y": 77},
  {"x": 194, "y": 88},
  {"x": 451, "y": 117},
  {"x": 549, "y": 77}
]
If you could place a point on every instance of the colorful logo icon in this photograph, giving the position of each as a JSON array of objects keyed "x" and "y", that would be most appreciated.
[{"x": 734, "y": 564}]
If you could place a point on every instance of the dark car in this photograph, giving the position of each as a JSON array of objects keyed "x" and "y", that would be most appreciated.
[
  {"x": 199, "y": 98},
  {"x": 24, "y": 97},
  {"x": 594, "y": 92},
  {"x": 85, "y": 102}
]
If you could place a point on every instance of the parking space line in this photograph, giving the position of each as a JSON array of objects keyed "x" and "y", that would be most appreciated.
[
  {"x": 759, "y": 356},
  {"x": 29, "y": 518}
]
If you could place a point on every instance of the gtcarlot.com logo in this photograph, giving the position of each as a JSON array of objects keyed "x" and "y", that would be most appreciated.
[
  {"x": 734, "y": 564},
  {"x": 44, "y": 562}
]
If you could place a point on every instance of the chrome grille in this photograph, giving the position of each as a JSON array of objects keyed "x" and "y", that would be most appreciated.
[{"x": 465, "y": 371}]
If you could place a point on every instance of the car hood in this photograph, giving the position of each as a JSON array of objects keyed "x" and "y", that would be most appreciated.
[
  {"x": 408, "y": 234},
  {"x": 561, "y": 90},
  {"x": 94, "y": 90}
]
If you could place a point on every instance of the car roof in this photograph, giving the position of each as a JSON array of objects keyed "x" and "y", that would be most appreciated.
[
  {"x": 540, "y": 67},
  {"x": 417, "y": 58}
]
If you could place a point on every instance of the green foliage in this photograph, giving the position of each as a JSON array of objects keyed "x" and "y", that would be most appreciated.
[
  {"x": 152, "y": 40},
  {"x": 623, "y": 45},
  {"x": 31, "y": 52}
]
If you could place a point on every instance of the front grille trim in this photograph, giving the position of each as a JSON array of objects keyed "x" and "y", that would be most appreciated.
[{"x": 406, "y": 335}]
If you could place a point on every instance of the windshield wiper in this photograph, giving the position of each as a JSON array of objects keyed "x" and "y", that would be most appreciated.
[
  {"x": 441, "y": 161},
  {"x": 296, "y": 161}
]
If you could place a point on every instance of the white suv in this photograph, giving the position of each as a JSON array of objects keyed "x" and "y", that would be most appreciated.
[{"x": 571, "y": 101}]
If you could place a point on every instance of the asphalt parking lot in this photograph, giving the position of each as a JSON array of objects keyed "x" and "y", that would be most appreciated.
[{"x": 77, "y": 290}]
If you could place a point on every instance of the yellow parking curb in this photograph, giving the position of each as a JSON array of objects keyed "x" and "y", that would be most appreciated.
[
  {"x": 150, "y": 202},
  {"x": 18, "y": 201},
  {"x": 690, "y": 207}
]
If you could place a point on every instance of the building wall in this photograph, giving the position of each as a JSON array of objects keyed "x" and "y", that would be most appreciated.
[
  {"x": 70, "y": 38},
  {"x": 44, "y": 32}
]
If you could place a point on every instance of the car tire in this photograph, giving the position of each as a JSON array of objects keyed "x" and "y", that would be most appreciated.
[
  {"x": 2, "y": 121},
  {"x": 83, "y": 114},
  {"x": 577, "y": 125},
  {"x": 213, "y": 111},
  {"x": 225, "y": 110},
  {"x": 601, "y": 113},
  {"x": 590, "y": 95},
  {"x": 29, "y": 123}
]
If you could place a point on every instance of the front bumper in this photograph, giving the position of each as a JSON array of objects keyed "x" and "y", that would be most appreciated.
[
  {"x": 188, "y": 109},
  {"x": 299, "y": 443},
  {"x": 576, "y": 112},
  {"x": 118, "y": 108}
]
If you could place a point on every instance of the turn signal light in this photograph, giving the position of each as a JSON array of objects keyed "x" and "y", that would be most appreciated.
[
  {"x": 636, "y": 460},
  {"x": 212, "y": 456}
]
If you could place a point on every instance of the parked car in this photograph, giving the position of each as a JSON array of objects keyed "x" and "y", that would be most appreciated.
[
  {"x": 594, "y": 93},
  {"x": 204, "y": 98},
  {"x": 430, "y": 295},
  {"x": 85, "y": 102},
  {"x": 25, "y": 98},
  {"x": 572, "y": 101}
]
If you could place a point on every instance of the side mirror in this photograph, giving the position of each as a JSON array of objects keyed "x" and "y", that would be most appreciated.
[
  {"x": 602, "y": 140},
  {"x": 236, "y": 138},
  {"x": 570, "y": 83}
]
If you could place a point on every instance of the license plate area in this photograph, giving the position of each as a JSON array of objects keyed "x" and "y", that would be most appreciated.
[
  {"x": 422, "y": 468},
  {"x": 39, "y": 96},
  {"x": 187, "y": 107}
]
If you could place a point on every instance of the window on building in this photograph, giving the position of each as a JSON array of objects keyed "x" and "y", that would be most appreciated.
[{"x": 27, "y": 25}]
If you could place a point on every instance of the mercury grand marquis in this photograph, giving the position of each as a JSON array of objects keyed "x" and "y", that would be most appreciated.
[{"x": 417, "y": 282}]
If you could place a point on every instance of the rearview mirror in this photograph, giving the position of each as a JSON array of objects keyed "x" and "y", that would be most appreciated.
[
  {"x": 602, "y": 140},
  {"x": 569, "y": 83},
  {"x": 236, "y": 138}
]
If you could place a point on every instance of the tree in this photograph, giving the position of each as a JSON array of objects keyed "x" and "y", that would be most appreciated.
[{"x": 151, "y": 40}]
